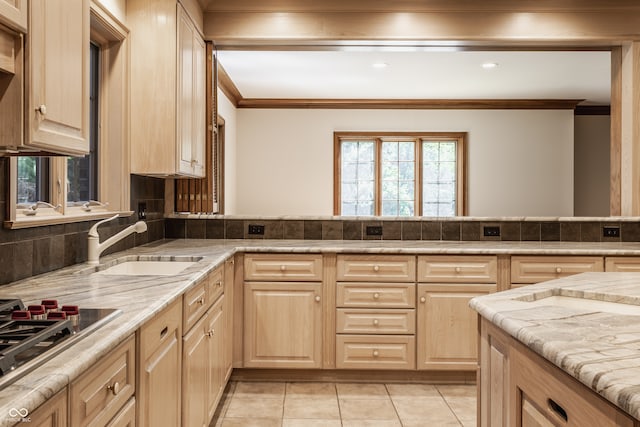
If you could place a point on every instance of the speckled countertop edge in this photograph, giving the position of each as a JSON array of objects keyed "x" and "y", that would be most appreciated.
[{"x": 141, "y": 297}]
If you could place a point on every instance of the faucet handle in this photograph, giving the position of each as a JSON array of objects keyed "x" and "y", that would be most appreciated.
[{"x": 93, "y": 231}]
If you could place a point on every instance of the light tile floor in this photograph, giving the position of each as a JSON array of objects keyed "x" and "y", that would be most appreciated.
[{"x": 312, "y": 404}]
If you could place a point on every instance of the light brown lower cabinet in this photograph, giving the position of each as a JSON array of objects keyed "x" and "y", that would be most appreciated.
[
  {"x": 98, "y": 395},
  {"x": 160, "y": 368},
  {"x": 447, "y": 332},
  {"x": 375, "y": 352},
  {"x": 126, "y": 417},
  {"x": 534, "y": 392},
  {"x": 52, "y": 413},
  {"x": 202, "y": 367},
  {"x": 282, "y": 325}
]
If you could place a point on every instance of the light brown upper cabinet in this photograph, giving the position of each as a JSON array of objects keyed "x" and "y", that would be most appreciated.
[
  {"x": 56, "y": 88},
  {"x": 168, "y": 97},
  {"x": 13, "y": 14}
]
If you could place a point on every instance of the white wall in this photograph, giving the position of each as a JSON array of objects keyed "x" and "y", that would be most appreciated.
[
  {"x": 117, "y": 7},
  {"x": 592, "y": 168},
  {"x": 228, "y": 112},
  {"x": 519, "y": 162}
]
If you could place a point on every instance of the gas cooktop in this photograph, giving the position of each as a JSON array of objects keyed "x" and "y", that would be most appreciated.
[{"x": 29, "y": 336}]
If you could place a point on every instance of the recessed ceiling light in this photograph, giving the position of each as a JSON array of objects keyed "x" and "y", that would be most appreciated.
[
  {"x": 490, "y": 65},
  {"x": 379, "y": 65}
]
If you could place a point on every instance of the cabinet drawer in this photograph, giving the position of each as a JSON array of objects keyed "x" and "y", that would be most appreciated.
[
  {"x": 165, "y": 326},
  {"x": 387, "y": 295},
  {"x": 622, "y": 264},
  {"x": 535, "y": 269},
  {"x": 543, "y": 392},
  {"x": 364, "y": 321},
  {"x": 98, "y": 394},
  {"x": 375, "y": 352},
  {"x": 215, "y": 285},
  {"x": 457, "y": 269},
  {"x": 194, "y": 305},
  {"x": 283, "y": 267},
  {"x": 376, "y": 268},
  {"x": 126, "y": 417},
  {"x": 8, "y": 47}
]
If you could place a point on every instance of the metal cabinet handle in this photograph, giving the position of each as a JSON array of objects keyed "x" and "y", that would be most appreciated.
[
  {"x": 114, "y": 388},
  {"x": 201, "y": 301},
  {"x": 458, "y": 269},
  {"x": 558, "y": 270},
  {"x": 42, "y": 109},
  {"x": 210, "y": 333},
  {"x": 283, "y": 267},
  {"x": 317, "y": 298},
  {"x": 376, "y": 268},
  {"x": 376, "y": 295},
  {"x": 375, "y": 322},
  {"x": 376, "y": 353},
  {"x": 423, "y": 299}
]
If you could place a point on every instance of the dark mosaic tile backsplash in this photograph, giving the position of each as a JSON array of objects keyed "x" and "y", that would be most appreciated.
[
  {"x": 356, "y": 229},
  {"x": 32, "y": 251}
]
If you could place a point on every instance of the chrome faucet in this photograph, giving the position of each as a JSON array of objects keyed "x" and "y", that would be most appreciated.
[{"x": 96, "y": 248}]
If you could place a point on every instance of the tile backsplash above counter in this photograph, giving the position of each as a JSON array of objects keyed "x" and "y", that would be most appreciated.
[{"x": 575, "y": 229}]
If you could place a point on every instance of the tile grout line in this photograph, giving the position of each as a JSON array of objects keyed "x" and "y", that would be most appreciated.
[
  {"x": 449, "y": 406},
  {"x": 395, "y": 409}
]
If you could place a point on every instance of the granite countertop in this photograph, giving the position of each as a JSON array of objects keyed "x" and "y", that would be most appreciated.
[
  {"x": 588, "y": 339},
  {"x": 141, "y": 297}
]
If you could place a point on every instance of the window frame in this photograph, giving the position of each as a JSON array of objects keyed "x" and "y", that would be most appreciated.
[
  {"x": 113, "y": 151},
  {"x": 417, "y": 137}
]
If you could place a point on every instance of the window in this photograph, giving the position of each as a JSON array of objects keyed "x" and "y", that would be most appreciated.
[
  {"x": 399, "y": 174},
  {"x": 70, "y": 187}
]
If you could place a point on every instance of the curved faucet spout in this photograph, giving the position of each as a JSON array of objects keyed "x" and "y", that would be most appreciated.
[{"x": 96, "y": 248}]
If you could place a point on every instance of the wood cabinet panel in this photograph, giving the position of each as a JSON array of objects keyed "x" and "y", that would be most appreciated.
[
  {"x": 376, "y": 268},
  {"x": 448, "y": 327},
  {"x": 52, "y": 413},
  {"x": 57, "y": 83},
  {"x": 544, "y": 395},
  {"x": 98, "y": 394},
  {"x": 160, "y": 368},
  {"x": 126, "y": 417},
  {"x": 372, "y": 321},
  {"x": 622, "y": 264},
  {"x": 535, "y": 269},
  {"x": 283, "y": 325},
  {"x": 493, "y": 381},
  {"x": 227, "y": 309},
  {"x": 13, "y": 14},
  {"x": 194, "y": 304},
  {"x": 195, "y": 365},
  {"x": 375, "y": 352},
  {"x": 215, "y": 344},
  {"x": 457, "y": 269},
  {"x": 380, "y": 295},
  {"x": 283, "y": 267}
]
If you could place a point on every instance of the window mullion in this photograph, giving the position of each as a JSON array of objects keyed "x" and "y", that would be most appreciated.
[
  {"x": 378, "y": 178},
  {"x": 58, "y": 183},
  {"x": 418, "y": 178}
]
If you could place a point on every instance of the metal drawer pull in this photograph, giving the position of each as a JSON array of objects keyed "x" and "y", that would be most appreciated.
[
  {"x": 558, "y": 270},
  {"x": 42, "y": 109},
  {"x": 317, "y": 298},
  {"x": 164, "y": 331},
  {"x": 219, "y": 283},
  {"x": 210, "y": 333},
  {"x": 114, "y": 388},
  {"x": 201, "y": 301},
  {"x": 559, "y": 410},
  {"x": 376, "y": 353},
  {"x": 458, "y": 269},
  {"x": 423, "y": 300},
  {"x": 376, "y": 295},
  {"x": 375, "y": 322},
  {"x": 283, "y": 267},
  {"x": 376, "y": 268}
]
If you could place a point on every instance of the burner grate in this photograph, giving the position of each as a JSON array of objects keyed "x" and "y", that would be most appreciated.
[{"x": 19, "y": 336}]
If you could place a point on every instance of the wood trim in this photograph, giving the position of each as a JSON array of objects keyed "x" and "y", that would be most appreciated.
[
  {"x": 412, "y": 104},
  {"x": 227, "y": 86},
  {"x": 221, "y": 162},
  {"x": 329, "y": 312},
  {"x": 238, "y": 311},
  {"x": 461, "y": 176},
  {"x": 355, "y": 375},
  {"x": 377, "y": 180},
  {"x": 615, "y": 189},
  {"x": 592, "y": 110},
  {"x": 337, "y": 160}
]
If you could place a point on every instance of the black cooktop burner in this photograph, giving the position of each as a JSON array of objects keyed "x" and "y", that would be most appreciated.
[{"x": 27, "y": 343}]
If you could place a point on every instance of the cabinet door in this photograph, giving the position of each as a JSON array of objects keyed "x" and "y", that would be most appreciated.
[
  {"x": 195, "y": 365},
  {"x": 160, "y": 368},
  {"x": 215, "y": 343},
  {"x": 13, "y": 13},
  {"x": 52, "y": 413},
  {"x": 493, "y": 399},
  {"x": 229, "y": 278},
  {"x": 191, "y": 108},
  {"x": 283, "y": 325},
  {"x": 447, "y": 327},
  {"x": 57, "y": 86}
]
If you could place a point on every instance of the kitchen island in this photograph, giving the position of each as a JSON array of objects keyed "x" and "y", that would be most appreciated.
[
  {"x": 141, "y": 298},
  {"x": 584, "y": 327}
]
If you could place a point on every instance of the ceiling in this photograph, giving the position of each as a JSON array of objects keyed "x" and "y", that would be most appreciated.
[{"x": 420, "y": 73}]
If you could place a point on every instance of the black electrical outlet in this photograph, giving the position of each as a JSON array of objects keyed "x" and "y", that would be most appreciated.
[
  {"x": 374, "y": 230},
  {"x": 609, "y": 231},
  {"x": 491, "y": 231},
  {"x": 256, "y": 229},
  {"x": 142, "y": 210}
]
